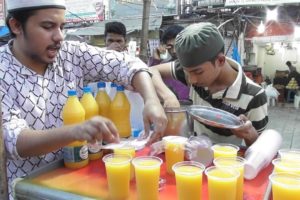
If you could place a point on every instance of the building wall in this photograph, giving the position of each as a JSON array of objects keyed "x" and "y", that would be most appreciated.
[{"x": 271, "y": 63}]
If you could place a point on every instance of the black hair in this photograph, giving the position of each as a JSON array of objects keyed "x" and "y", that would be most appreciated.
[
  {"x": 288, "y": 63},
  {"x": 21, "y": 16},
  {"x": 170, "y": 33},
  {"x": 213, "y": 60},
  {"x": 115, "y": 27}
]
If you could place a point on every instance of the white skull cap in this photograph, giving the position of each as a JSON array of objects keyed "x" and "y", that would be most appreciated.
[{"x": 15, "y": 5}]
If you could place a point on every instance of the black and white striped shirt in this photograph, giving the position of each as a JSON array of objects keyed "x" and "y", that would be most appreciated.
[{"x": 242, "y": 97}]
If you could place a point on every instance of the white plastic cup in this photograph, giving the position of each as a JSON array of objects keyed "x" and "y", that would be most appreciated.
[{"x": 261, "y": 152}]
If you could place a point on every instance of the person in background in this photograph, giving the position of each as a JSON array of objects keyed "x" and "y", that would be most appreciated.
[
  {"x": 168, "y": 40},
  {"x": 293, "y": 73},
  {"x": 218, "y": 82},
  {"x": 37, "y": 70},
  {"x": 115, "y": 39},
  {"x": 115, "y": 36}
]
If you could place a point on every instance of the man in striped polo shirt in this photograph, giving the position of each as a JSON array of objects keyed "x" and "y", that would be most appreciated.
[{"x": 218, "y": 82}]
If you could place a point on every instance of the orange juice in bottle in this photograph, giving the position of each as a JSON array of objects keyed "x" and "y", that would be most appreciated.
[
  {"x": 103, "y": 100},
  {"x": 119, "y": 113},
  {"x": 76, "y": 153},
  {"x": 90, "y": 106}
]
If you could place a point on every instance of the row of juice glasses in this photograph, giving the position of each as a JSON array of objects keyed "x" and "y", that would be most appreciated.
[
  {"x": 285, "y": 178},
  {"x": 121, "y": 167},
  {"x": 225, "y": 178}
]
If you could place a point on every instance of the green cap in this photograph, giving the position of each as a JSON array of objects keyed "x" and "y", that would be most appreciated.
[{"x": 198, "y": 43}]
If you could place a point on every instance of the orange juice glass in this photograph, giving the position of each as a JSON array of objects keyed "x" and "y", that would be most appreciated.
[
  {"x": 147, "y": 172},
  {"x": 285, "y": 186},
  {"x": 130, "y": 150},
  {"x": 189, "y": 180},
  {"x": 225, "y": 150},
  {"x": 290, "y": 154},
  {"x": 118, "y": 175},
  {"x": 174, "y": 150},
  {"x": 222, "y": 183},
  {"x": 286, "y": 165},
  {"x": 237, "y": 163}
]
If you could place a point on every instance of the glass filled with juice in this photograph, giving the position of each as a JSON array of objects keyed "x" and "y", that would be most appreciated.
[
  {"x": 147, "y": 173},
  {"x": 118, "y": 175},
  {"x": 289, "y": 154},
  {"x": 285, "y": 186},
  {"x": 130, "y": 150},
  {"x": 225, "y": 150},
  {"x": 222, "y": 183},
  {"x": 286, "y": 165},
  {"x": 188, "y": 176},
  {"x": 174, "y": 150},
  {"x": 236, "y": 163}
]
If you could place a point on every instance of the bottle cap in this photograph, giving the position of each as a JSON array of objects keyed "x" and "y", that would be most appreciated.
[
  {"x": 101, "y": 84},
  {"x": 72, "y": 93},
  {"x": 113, "y": 84},
  {"x": 120, "y": 88},
  {"x": 87, "y": 89}
]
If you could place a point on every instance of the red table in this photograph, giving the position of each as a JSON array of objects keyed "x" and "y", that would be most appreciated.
[{"x": 91, "y": 182}]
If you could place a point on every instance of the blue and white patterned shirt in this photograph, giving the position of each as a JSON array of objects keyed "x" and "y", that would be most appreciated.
[{"x": 30, "y": 100}]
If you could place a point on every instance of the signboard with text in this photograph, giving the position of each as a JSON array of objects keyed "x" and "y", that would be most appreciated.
[
  {"x": 82, "y": 10},
  {"x": 124, "y": 8},
  {"x": 258, "y": 2}
]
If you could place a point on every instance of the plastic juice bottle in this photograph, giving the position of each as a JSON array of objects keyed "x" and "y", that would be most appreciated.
[
  {"x": 103, "y": 100},
  {"x": 120, "y": 113},
  {"x": 76, "y": 153},
  {"x": 91, "y": 110},
  {"x": 112, "y": 91}
]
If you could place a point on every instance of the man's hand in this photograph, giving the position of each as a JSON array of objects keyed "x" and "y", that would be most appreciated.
[
  {"x": 96, "y": 129},
  {"x": 171, "y": 101},
  {"x": 246, "y": 131},
  {"x": 154, "y": 115}
]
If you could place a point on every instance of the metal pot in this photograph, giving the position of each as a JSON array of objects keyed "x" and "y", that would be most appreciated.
[{"x": 177, "y": 121}]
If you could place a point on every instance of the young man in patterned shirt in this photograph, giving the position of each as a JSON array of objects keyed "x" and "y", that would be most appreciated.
[
  {"x": 217, "y": 81},
  {"x": 38, "y": 68}
]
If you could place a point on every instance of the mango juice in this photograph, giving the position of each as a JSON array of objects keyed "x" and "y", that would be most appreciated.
[
  {"x": 147, "y": 172},
  {"x": 189, "y": 180},
  {"x": 118, "y": 175},
  {"x": 285, "y": 186},
  {"x": 130, "y": 151},
  {"x": 225, "y": 150},
  {"x": 103, "y": 100},
  {"x": 91, "y": 110},
  {"x": 236, "y": 163},
  {"x": 222, "y": 183},
  {"x": 174, "y": 151},
  {"x": 119, "y": 113},
  {"x": 76, "y": 153},
  {"x": 286, "y": 166}
]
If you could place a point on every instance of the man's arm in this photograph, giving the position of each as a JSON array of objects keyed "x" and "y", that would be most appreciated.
[
  {"x": 39, "y": 142},
  {"x": 158, "y": 73},
  {"x": 153, "y": 111}
]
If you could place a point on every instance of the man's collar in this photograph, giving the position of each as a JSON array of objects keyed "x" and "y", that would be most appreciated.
[{"x": 233, "y": 91}]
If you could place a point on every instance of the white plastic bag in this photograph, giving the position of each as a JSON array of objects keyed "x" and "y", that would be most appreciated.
[{"x": 271, "y": 91}]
